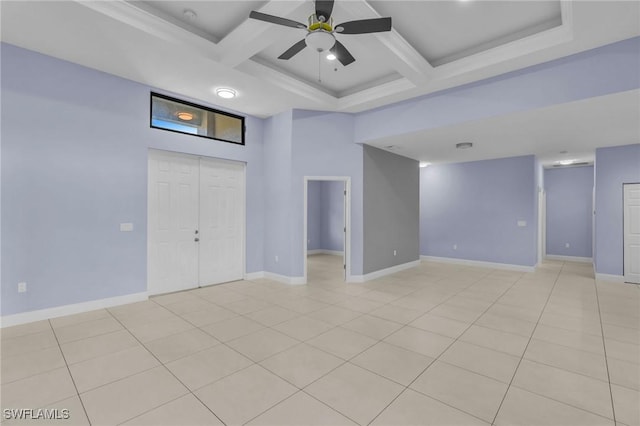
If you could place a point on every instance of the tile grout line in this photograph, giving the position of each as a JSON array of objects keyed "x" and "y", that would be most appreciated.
[
  {"x": 85, "y": 322},
  {"x": 361, "y": 314},
  {"x": 451, "y": 344},
  {"x": 555, "y": 283},
  {"x": 69, "y": 371},
  {"x": 606, "y": 360},
  {"x": 275, "y": 354},
  {"x": 496, "y": 301},
  {"x": 354, "y": 356},
  {"x": 369, "y": 347},
  {"x": 167, "y": 369},
  {"x": 380, "y": 340},
  {"x": 336, "y": 304},
  {"x": 258, "y": 362}
]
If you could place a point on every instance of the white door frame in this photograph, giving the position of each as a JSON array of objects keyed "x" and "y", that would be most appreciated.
[
  {"x": 244, "y": 202},
  {"x": 347, "y": 220},
  {"x": 625, "y": 223},
  {"x": 542, "y": 225}
]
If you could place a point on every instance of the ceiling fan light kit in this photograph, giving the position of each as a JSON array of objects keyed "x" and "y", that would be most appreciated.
[
  {"x": 321, "y": 32},
  {"x": 320, "y": 40}
]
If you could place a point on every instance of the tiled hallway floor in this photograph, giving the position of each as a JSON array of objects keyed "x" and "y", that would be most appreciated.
[{"x": 435, "y": 345}]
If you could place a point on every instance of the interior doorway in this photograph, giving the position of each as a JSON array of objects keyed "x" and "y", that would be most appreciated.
[
  {"x": 195, "y": 221},
  {"x": 326, "y": 228}
]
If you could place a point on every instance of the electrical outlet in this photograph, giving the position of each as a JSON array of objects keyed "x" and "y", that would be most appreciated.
[
  {"x": 567, "y": 245},
  {"x": 395, "y": 252},
  {"x": 455, "y": 247},
  {"x": 276, "y": 258},
  {"x": 22, "y": 287}
]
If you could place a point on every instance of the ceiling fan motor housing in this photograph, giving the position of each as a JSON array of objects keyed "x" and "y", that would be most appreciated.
[{"x": 317, "y": 24}]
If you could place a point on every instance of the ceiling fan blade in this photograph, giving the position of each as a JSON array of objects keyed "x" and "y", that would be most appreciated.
[
  {"x": 342, "y": 53},
  {"x": 324, "y": 8},
  {"x": 364, "y": 26},
  {"x": 276, "y": 20},
  {"x": 293, "y": 50}
]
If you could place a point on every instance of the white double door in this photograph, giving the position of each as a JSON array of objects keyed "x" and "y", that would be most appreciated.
[{"x": 195, "y": 221}]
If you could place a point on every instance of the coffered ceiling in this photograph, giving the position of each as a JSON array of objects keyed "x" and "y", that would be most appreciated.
[{"x": 192, "y": 47}]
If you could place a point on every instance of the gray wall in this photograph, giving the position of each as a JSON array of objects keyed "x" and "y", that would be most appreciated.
[{"x": 391, "y": 209}]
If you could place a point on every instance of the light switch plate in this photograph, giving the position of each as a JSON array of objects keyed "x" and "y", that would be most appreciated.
[
  {"x": 522, "y": 223},
  {"x": 126, "y": 227}
]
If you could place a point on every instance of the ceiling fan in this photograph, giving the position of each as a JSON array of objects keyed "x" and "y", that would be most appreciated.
[{"x": 321, "y": 31}]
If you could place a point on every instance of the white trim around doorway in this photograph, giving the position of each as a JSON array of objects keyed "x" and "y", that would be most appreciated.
[{"x": 347, "y": 224}]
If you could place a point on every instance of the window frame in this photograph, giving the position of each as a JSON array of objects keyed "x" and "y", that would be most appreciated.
[{"x": 201, "y": 107}]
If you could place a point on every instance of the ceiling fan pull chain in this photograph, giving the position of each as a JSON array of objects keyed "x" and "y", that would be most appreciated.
[{"x": 319, "y": 67}]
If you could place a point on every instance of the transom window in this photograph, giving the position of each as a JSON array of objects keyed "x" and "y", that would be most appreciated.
[{"x": 172, "y": 114}]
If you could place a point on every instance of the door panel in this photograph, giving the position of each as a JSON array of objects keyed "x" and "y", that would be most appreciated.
[
  {"x": 221, "y": 221},
  {"x": 172, "y": 221},
  {"x": 632, "y": 233}
]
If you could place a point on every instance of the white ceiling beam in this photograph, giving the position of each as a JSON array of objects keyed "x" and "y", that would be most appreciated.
[
  {"x": 398, "y": 53},
  {"x": 378, "y": 94},
  {"x": 288, "y": 83},
  {"x": 252, "y": 36}
]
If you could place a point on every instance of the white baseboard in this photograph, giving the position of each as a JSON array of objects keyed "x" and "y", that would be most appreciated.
[
  {"x": 569, "y": 258},
  {"x": 253, "y": 275},
  {"x": 323, "y": 251},
  {"x": 382, "y": 272},
  {"x": 285, "y": 279},
  {"x": 610, "y": 277},
  {"x": 505, "y": 266},
  {"x": 76, "y": 308}
]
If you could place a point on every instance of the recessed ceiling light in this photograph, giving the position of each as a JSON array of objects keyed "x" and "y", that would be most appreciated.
[
  {"x": 331, "y": 57},
  {"x": 226, "y": 93},
  {"x": 565, "y": 162},
  {"x": 464, "y": 145},
  {"x": 185, "y": 116},
  {"x": 424, "y": 164}
]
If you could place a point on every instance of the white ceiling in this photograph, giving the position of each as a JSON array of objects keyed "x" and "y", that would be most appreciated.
[
  {"x": 576, "y": 127},
  {"x": 444, "y": 31},
  {"x": 434, "y": 45}
]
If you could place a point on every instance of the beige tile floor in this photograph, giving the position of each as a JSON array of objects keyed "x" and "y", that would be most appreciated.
[{"x": 435, "y": 345}]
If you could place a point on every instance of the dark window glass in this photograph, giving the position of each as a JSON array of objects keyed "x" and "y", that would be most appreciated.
[{"x": 184, "y": 117}]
